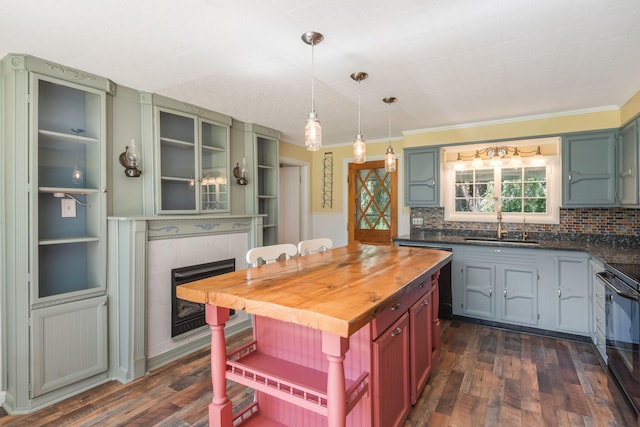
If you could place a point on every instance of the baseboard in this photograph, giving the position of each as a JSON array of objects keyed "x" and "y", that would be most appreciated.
[{"x": 195, "y": 345}]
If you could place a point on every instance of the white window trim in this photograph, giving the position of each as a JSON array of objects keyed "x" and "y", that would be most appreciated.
[{"x": 554, "y": 193}]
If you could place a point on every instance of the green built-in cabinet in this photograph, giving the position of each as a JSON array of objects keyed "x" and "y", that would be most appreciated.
[
  {"x": 54, "y": 139},
  {"x": 192, "y": 159},
  {"x": 262, "y": 147}
]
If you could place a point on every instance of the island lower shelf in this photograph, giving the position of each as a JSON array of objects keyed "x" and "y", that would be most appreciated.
[{"x": 300, "y": 385}]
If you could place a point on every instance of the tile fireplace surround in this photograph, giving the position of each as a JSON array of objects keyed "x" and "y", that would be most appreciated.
[{"x": 142, "y": 252}]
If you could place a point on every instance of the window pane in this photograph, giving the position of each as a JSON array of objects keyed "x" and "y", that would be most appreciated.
[
  {"x": 511, "y": 175},
  {"x": 535, "y": 205},
  {"x": 535, "y": 174},
  {"x": 535, "y": 189}
]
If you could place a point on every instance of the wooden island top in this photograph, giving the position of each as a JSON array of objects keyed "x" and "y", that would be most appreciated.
[{"x": 337, "y": 291}]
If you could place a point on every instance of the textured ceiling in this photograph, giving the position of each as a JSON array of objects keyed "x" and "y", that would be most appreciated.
[{"x": 447, "y": 61}]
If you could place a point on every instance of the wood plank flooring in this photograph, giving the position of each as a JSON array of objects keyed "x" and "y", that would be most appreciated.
[{"x": 486, "y": 377}]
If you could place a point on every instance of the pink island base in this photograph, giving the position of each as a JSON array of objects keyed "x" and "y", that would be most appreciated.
[{"x": 313, "y": 359}]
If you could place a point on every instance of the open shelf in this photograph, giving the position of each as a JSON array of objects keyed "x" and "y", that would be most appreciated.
[{"x": 290, "y": 382}]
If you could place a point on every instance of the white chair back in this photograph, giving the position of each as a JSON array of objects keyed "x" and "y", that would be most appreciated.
[
  {"x": 271, "y": 253},
  {"x": 306, "y": 247}
]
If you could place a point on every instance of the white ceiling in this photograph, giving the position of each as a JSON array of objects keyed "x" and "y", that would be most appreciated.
[{"x": 447, "y": 61}]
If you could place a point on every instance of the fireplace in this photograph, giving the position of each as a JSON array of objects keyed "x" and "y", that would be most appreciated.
[{"x": 185, "y": 315}]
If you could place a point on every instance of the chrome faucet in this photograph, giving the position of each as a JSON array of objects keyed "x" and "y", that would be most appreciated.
[{"x": 501, "y": 232}]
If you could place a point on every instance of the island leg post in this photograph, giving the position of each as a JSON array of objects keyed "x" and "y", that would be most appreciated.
[
  {"x": 335, "y": 347},
  {"x": 220, "y": 408},
  {"x": 435, "y": 320}
]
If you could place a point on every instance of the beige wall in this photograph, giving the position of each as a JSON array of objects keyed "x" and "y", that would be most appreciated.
[{"x": 539, "y": 126}]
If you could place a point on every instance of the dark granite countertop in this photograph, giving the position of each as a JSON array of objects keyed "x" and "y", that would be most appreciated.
[{"x": 609, "y": 249}]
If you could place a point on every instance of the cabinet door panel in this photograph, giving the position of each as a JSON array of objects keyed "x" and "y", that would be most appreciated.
[
  {"x": 572, "y": 284},
  {"x": 588, "y": 165},
  {"x": 391, "y": 399},
  {"x": 479, "y": 282},
  {"x": 519, "y": 294},
  {"x": 421, "y": 177},
  {"x": 69, "y": 344},
  {"x": 628, "y": 164},
  {"x": 421, "y": 347}
]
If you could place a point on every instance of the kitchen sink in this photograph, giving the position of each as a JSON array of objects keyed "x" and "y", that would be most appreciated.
[{"x": 495, "y": 241}]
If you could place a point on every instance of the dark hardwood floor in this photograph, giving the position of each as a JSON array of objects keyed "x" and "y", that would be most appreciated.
[{"x": 486, "y": 377}]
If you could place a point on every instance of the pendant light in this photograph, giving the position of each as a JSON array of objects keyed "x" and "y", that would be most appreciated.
[
  {"x": 390, "y": 156},
  {"x": 312, "y": 129},
  {"x": 359, "y": 147}
]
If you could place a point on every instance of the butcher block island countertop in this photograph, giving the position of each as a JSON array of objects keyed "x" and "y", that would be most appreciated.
[
  {"x": 345, "y": 337},
  {"x": 337, "y": 291}
]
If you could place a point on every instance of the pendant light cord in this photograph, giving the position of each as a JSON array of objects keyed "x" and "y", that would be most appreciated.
[{"x": 313, "y": 72}]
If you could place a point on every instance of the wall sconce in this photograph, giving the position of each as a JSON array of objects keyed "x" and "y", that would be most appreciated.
[
  {"x": 129, "y": 159},
  {"x": 241, "y": 175}
]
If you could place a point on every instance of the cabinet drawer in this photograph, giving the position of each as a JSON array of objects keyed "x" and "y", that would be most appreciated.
[
  {"x": 601, "y": 344},
  {"x": 600, "y": 318},
  {"x": 420, "y": 289},
  {"x": 390, "y": 314}
]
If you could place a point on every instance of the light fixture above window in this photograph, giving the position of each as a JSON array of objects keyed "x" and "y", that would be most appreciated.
[
  {"x": 496, "y": 154},
  {"x": 390, "y": 156},
  {"x": 312, "y": 129},
  {"x": 359, "y": 147}
]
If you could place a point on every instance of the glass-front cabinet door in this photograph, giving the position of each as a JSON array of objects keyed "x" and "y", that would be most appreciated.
[
  {"x": 193, "y": 164},
  {"x": 214, "y": 161},
  {"x": 69, "y": 219},
  {"x": 177, "y": 162}
]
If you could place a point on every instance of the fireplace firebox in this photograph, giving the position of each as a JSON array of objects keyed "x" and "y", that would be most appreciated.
[{"x": 185, "y": 315}]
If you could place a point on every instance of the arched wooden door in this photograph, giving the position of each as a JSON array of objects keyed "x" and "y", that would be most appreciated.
[{"x": 373, "y": 203}]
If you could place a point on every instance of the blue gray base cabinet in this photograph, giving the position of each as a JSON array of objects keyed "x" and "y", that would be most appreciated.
[
  {"x": 544, "y": 289},
  {"x": 421, "y": 173},
  {"x": 498, "y": 286}
]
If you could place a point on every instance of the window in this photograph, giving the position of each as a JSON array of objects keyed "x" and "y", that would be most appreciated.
[
  {"x": 526, "y": 191},
  {"x": 519, "y": 190}
]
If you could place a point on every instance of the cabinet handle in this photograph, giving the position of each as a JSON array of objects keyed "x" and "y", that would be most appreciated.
[
  {"x": 490, "y": 291},
  {"x": 505, "y": 293},
  {"x": 570, "y": 176},
  {"x": 559, "y": 293},
  {"x": 395, "y": 307},
  {"x": 397, "y": 332},
  {"x": 434, "y": 182},
  {"x": 425, "y": 302}
]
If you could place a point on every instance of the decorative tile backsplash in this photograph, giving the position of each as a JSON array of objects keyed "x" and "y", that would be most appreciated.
[{"x": 600, "y": 223}]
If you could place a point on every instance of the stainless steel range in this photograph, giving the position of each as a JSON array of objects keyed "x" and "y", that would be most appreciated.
[{"x": 622, "y": 296}]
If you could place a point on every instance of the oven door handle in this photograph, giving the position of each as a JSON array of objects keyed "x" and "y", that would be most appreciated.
[{"x": 628, "y": 295}]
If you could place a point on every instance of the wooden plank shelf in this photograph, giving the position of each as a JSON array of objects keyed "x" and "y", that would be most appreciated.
[{"x": 297, "y": 384}]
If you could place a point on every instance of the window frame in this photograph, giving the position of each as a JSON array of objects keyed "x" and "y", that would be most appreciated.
[{"x": 554, "y": 193}]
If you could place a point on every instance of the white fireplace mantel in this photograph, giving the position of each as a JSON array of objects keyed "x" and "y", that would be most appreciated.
[{"x": 140, "y": 249}]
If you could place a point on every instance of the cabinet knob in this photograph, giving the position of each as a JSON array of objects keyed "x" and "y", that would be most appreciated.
[
  {"x": 395, "y": 307},
  {"x": 425, "y": 302},
  {"x": 505, "y": 293},
  {"x": 397, "y": 332},
  {"x": 104, "y": 190},
  {"x": 490, "y": 291},
  {"x": 559, "y": 293},
  {"x": 570, "y": 176}
]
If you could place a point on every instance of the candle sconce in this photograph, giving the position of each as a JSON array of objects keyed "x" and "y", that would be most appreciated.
[
  {"x": 241, "y": 174},
  {"x": 130, "y": 159}
]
